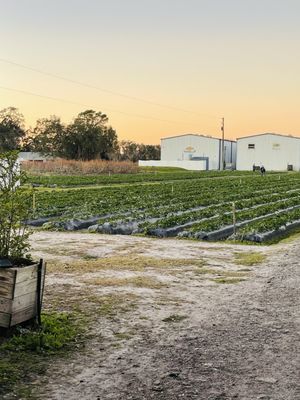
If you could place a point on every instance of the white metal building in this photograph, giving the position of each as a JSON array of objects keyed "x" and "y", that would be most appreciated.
[
  {"x": 195, "y": 152},
  {"x": 33, "y": 156},
  {"x": 274, "y": 151}
]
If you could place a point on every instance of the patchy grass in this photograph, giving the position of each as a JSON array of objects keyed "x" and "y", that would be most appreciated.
[
  {"x": 166, "y": 300},
  {"x": 161, "y": 169},
  {"x": 234, "y": 274},
  {"x": 123, "y": 335},
  {"x": 221, "y": 272},
  {"x": 125, "y": 262},
  {"x": 29, "y": 351},
  {"x": 208, "y": 271},
  {"x": 112, "y": 304},
  {"x": 88, "y": 257},
  {"x": 227, "y": 280},
  {"x": 68, "y": 298},
  {"x": 137, "y": 281},
  {"x": 174, "y": 318},
  {"x": 249, "y": 259}
]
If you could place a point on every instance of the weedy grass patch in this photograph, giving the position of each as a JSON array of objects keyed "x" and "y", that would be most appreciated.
[
  {"x": 113, "y": 303},
  {"x": 136, "y": 281},
  {"x": 249, "y": 259},
  {"x": 164, "y": 300},
  {"x": 29, "y": 351},
  {"x": 208, "y": 271},
  {"x": 221, "y": 272},
  {"x": 227, "y": 280},
  {"x": 123, "y": 335},
  {"x": 175, "y": 318},
  {"x": 68, "y": 298},
  {"x": 125, "y": 262}
]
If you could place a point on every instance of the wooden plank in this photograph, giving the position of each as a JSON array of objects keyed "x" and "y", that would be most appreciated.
[
  {"x": 25, "y": 287},
  {"x": 6, "y": 290},
  {"x": 23, "y": 273},
  {"x": 21, "y": 302},
  {"x": 7, "y": 282},
  {"x": 18, "y": 303},
  {"x": 23, "y": 315},
  {"x": 44, "y": 268},
  {"x": 12, "y": 307},
  {"x": 5, "y": 305},
  {"x": 5, "y": 320},
  {"x": 7, "y": 275},
  {"x": 26, "y": 273}
]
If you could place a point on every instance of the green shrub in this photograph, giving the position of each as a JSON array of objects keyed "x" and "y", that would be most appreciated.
[{"x": 14, "y": 208}]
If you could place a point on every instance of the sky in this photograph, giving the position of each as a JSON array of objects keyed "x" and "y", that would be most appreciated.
[{"x": 157, "y": 68}]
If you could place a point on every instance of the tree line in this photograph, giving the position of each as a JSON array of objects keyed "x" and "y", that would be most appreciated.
[{"x": 87, "y": 137}]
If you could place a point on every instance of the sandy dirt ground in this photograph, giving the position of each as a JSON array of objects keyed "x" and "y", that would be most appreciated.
[{"x": 174, "y": 319}]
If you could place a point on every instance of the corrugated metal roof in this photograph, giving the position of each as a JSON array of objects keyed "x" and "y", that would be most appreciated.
[
  {"x": 268, "y": 133},
  {"x": 197, "y": 135}
]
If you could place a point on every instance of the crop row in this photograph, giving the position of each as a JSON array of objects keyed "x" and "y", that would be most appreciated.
[
  {"x": 226, "y": 219},
  {"x": 272, "y": 222},
  {"x": 152, "y": 201},
  {"x": 198, "y": 205},
  {"x": 87, "y": 180}
]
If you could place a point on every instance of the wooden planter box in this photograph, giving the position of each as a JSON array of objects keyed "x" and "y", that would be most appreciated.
[{"x": 21, "y": 293}]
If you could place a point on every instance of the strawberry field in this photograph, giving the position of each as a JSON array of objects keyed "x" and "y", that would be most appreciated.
[{"x": 243, "y": 206}]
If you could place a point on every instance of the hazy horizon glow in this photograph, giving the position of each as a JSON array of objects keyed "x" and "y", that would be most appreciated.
[{"x": 215, "y": 58}]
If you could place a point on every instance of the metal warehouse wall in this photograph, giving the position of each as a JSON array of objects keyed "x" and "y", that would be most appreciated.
[
  {"x": 275, "y": 152},
  {"x": 186, "y": 147}
]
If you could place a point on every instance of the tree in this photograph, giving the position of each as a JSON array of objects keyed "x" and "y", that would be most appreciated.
[
  {"x": 134, "y": 151},
  {"x": 11, "y": 129},
  {"x": 149, "y": 152},
  {"x": 88, "y": 137},
  {"x": 129, "y": 150},
  {"x": 109, "y": 145},
  {"x": 27, "y": 142},
  {"x": 47, "y": 136}
]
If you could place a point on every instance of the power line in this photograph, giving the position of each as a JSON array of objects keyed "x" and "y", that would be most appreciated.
[
  {"x": 88, "y": 106},
  {"x": 102, "y": 89}
]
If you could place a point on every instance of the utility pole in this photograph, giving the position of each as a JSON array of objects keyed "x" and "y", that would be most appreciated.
[{"x": 223, "y": 145}]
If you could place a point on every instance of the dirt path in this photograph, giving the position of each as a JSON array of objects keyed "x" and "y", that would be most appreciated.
[{"x": 174, "y": 319}]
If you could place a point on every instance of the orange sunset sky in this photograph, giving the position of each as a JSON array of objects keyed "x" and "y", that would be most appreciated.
[{"x": 156, "y": 68}]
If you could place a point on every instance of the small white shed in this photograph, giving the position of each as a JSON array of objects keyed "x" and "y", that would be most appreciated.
[{"x": 274, "y": 151}]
